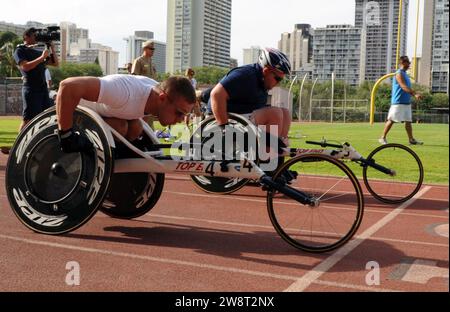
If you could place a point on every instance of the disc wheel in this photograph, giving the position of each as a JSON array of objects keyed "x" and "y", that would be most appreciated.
[
  {"x": 132, "y": 195},
  {"x": 338, "y": 211},
  {"x": 52, "y": 192}
]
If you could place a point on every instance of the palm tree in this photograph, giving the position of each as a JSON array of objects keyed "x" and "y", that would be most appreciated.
[{"x": 6, "y": 56}]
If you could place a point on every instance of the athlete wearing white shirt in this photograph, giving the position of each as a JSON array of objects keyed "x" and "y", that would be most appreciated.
[{"x": 122, "y": 100}]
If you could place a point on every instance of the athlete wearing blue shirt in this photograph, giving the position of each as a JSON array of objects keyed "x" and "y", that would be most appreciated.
[
  {"x": 245, "y": 91},
  {"x": 400, "y": 110},
  {"x": 31, "y": 63}
]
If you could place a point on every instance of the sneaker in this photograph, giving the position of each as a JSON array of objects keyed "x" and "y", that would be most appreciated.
[
  {"x": 415, "y": 142},
  {"x": 290, "y": 176},
  {"x": 382, "y": 141}
]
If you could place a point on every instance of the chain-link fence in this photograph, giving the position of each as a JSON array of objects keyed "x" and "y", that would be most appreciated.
[
  {"x": 346, "y": 111},
  {"x": 11, "y": 97},
  {"x": 342, "y": 111}
]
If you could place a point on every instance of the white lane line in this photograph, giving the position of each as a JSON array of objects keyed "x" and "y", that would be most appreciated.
[
  {"x": 355, "y": 287},
  {"x": 409, "y": 242},
  {"x": 189, "y": 264},
  {"x": 151, "y": 217},
  {"x": 222, "y": 197},
  {"x": 148, "y": 258},
  {"x": 314, "y": 274}
]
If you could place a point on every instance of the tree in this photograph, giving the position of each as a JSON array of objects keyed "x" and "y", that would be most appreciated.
[
  {"x": 439, "y": 100},
  {"x": 8, "y": 43},
  {"x": 66, "y": 70},
  {"x": 209, "y": 74}
]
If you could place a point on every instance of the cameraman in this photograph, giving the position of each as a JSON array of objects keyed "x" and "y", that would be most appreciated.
[{"x": 31, "y": 63}]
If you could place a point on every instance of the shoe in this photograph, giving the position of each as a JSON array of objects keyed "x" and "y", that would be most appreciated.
[
  {"x": 382, "y": 141},
  {"x": 290, "y": 176},
  {"x": 415, "y": 142},
  {"x": 5, "y": 150}
]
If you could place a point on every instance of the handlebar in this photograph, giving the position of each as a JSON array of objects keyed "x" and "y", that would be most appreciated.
[{"x": 324, "y": 144}]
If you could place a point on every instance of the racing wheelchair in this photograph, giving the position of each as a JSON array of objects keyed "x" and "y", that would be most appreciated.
[
  {"x": 53, "y": 193},
  {"x": 392, "y": 173}
]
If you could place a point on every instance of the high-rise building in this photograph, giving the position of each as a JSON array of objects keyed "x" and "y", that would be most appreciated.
[
  {"x": 379, "y": 19},
  {"x": 73, "y": 39},
  {"x": 14, "y": 28},
  {"x": 159, "y": 56},
  {"x": 298, "y": 46},
  {"x": 434, "y": 69},
  {"x": 198, "y": 34},
  {"x": 105, "y": 56},
  {"x": 251, "y": 55},
  {"x": 338, "y": 50}
]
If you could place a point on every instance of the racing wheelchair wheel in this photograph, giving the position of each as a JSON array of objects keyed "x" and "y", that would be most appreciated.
[
  {"x": 52, "y": 192},
  {"x": 132, "y": 195},
  {"x": 207, "y": 129},
  {"x": 338, "y": 210}
]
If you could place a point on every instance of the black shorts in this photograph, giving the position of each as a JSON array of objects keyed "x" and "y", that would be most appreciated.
[{"x": 34, "y": 102}]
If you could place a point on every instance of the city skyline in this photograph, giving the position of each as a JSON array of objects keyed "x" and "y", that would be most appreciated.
[{"x": 248, "y": 20}]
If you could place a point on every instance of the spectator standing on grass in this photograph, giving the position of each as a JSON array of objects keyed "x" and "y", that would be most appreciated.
[
  {"x": 32, "y": 65},
  {"x": 400, "y": 110},
  {"x": 143, "y": 66}
]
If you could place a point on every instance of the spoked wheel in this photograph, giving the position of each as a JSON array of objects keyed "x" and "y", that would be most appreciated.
[
  {"x": 338, "y": 211},
  {"x": 202, "y": 140},
  {"x": 407, "y": 177}
]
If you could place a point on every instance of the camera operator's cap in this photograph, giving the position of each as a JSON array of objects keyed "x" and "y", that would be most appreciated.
[
  {"x": 29, "y": 31},
  {"x": 148, "y": 44}
]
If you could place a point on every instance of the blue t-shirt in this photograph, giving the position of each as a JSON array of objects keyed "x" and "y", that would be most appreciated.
[
  {"x": 35, "y": 78},
  {"x": 245, "y": 88},
  {"x": 399, "y": 96}
]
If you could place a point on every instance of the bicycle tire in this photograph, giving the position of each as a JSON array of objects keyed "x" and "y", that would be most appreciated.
[
  {"x": 348, "y": 192},
  {"x": 386, "y": 153}
]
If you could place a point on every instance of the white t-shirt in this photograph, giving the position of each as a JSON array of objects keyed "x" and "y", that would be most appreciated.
[
  {"x": 194, "y": 83},
  {"x": 122, "y": 96},
  {"x": 48, "y": 76}
]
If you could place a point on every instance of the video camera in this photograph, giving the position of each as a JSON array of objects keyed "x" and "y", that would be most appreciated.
[{"x": 48, "y": 34}]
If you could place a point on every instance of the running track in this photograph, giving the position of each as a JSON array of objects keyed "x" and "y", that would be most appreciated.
[{"x": 192, "y": 241}]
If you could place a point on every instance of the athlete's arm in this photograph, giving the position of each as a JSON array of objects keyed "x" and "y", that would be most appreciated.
[
  {"x": 219, "y": 98},
  {"x": 71, "y": 91}
]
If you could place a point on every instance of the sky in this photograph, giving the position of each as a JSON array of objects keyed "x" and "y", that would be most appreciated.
[{"x": 254, "y": 22}]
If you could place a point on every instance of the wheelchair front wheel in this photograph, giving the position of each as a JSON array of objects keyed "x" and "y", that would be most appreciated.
[
  {"x": 334, "y": 219},
  {"x": 401, "y": 186}
]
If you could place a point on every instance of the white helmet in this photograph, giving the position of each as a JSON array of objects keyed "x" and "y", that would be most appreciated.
[{"x": 275, "y": 59}]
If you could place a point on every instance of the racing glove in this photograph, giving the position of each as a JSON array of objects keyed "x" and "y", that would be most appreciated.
[{"x": 73, "y": 142}]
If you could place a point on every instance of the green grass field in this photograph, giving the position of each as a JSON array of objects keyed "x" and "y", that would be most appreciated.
[{"x": 364, "y": 137}]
